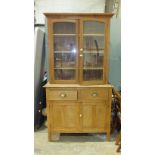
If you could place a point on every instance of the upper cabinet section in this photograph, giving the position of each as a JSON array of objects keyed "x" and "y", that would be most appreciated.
[{"x": 78, "y": 46}]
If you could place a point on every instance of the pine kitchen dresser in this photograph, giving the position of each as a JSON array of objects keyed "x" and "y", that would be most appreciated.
[{"x": 78, "y": 96}]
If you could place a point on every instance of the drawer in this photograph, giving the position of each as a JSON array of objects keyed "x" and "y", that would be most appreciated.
[
  {"x": 93, "y": 94},
  {"x": 61, "y": 94}
]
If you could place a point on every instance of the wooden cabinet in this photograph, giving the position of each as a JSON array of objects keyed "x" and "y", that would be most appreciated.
[{"x": 78, "y": 95}]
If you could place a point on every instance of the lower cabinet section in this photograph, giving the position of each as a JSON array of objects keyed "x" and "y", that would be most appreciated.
[{"x": 78, "y": 114}]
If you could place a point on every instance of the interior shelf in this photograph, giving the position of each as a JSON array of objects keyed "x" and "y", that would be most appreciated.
[
  {"x": 63, "y": 52},
  {"x": 93, "y": 51},
  {"x": 85, "y": 51},
  {"x": 64, "y": 34},
  {"x": 94, "y": 68},
  {"x": 93, "y": 34},
  {"x": 65, "y": 68}
]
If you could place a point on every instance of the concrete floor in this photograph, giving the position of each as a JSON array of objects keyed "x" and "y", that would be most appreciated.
[{"x": 73, "y": 144}]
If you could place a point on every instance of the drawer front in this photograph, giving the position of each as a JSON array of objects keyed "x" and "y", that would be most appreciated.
[
  {"x": 93, "y": 94},
  {"x": 61, "y": 94}
]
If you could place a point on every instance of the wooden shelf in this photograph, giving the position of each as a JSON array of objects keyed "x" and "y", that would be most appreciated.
[
  {"x": 94, "y": 68},
  {"x": 102, "y": 35},
  {"x": 66, "y": 68},
  {"x": 64, "y": 34},
  {"x": 88, "y": 51},
  {"x": 63, "y": 52},
  {"x": 93, "y": 49},
  {"x": 94, "y": 52}
]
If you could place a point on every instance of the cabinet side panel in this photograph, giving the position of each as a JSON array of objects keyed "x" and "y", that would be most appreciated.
[
  {"x": 107, "y": 44},
  {"x": 108, "y": 120}
]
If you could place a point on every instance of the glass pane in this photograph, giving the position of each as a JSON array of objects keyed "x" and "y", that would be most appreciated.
[
  {"x": 93, "y": 60},
  {"x": 93, "y": 50},
  {"x": 94, "y": 42},
  {"x": 92, "y": 74},
  {"x": 64, "y": 43},
  {"x": 65, "y": 50},
  {"x": 64, "y": 28},
  {"x": 64, "y": 60},
  {"x": 64, "y": 74},
  {"x": 93, "y": 27}
]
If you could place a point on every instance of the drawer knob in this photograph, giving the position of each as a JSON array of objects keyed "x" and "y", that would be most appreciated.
[
  {"x": 63, "y": 95},
  {"x": 94, "y": 94},
  {"x": 80, "y": 115}
]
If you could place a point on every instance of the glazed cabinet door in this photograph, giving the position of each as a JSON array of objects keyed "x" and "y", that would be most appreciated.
[
  {"x": 92, "y": 48},
  {"x": 63, "y": 51},
  {"x": 94, "y": 117},
  {"x": 65, "y": 117}
]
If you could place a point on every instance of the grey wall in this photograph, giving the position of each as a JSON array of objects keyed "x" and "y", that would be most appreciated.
[
  {"x": 88, "y": 6},
  {"x": 115, "y": 53}
]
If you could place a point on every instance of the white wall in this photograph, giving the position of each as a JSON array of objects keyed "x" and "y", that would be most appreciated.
[{"x": 41, "y": 6}]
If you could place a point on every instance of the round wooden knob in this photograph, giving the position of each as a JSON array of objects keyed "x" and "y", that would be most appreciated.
[{"x": 80, "y": 115}]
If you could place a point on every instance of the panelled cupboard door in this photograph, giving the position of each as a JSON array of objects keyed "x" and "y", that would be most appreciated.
[
  {"x": 92, "y": 49},
  {"x": 63, "y": 51},
  {"x": 94, "y": 117},
  {"x": 65, "y": 116}
]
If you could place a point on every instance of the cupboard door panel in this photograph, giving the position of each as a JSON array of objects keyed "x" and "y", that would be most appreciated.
[
  {"x": 65, "y": 116},
  {"x": 92, "y": 50},
  {"x": 87, "y": 116},
  {"x": 100, "y": 116},
  {"x": 63, "y": 36},
  {"x": 94, "y": 116}
]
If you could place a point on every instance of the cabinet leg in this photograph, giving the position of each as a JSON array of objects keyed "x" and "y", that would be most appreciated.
[
  {"x": 55, "y": 136},
  {"x": 49, "y": 136},
  {"x": 108, "y": 136}
]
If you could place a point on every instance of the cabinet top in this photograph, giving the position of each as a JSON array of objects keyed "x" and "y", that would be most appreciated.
[
  {"x": 75, "y": 85},
  {"x": 79, "y": 14}
]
